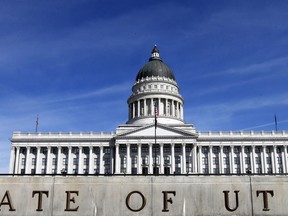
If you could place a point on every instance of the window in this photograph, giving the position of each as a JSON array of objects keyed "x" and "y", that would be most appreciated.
[
  {"x": 237, "y": 170},
  {"x": 236, "y": 160},
  {"x": 134, "y": 149},
  {"x": 96, "y": 171},
  {"x": 215, "y": 161},
  {"x": 216, "y": 170},
  {"x": 145, "y": 149},
  {"x": 188, "y": 149},
  {"x": 278, "y": 149},
  {"x": 215, "y": 149},
  {"x": 188, "y": 169},
  {"x": 226, "y": 160},
  {"x": 166, "y": 160},
  {"x": 227, "y": 170},
  {"x": 177, "y": 159},
  {"x": 23, "y": 161},
  {"x": 177, "y": 149},
  {"x": 54, "y": 161},
  {"x": 65, "y": 161},
  {"x": 268, "y": 150},
  {"x": 178, "y": 170},
  {"x": 75, "y": 171},
  {"x": 188, "y": 159},
  {"x": 236, "y": 150},
  {"x": 155, "y": 86},
  {"x": 247, "y": 160},
  {"x": 257, "y": 150},
  {"x": 259, "y": 170},
  {"x": 43, "y": 171},
  {"x": 226, "y": 149},
  {"x": 134, "y": 170},
  {"x": 96, "y": 161},
  {"x": 157, "y": 160},
  {"x": 204, "y": 160},
  {"x": 269, "y": 170},
  {"x": 166, "y": 149},
  {"x": 280, "y": 170},
  {"x": 122, "y": 149},
  {"x": 205, "y": 170},
  {"x": 247, "y": 150},
  {"x": 33, "y": 161},
  {"x": 54, "y": 171},
  {"x": 85, "y": 171},
  {"x": 43, "y": 161},
  {"x": 75, "y": 161},
  {"x": 85, "y": 161},
  {"x": 123, "y": 160},
  {"x": 258, "y": 160},
  {"x": 107, "y": 150},
  {"x": 279, "y": 160},
  {"x": 205, "y": 149},
  {"x": 156, "y": 148},
  {"x": 268, "y": 160},
  {"x": 145, "y": 160},
  {"x": 134, "y": 160}
]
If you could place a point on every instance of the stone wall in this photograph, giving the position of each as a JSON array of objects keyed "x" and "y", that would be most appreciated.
[{"x": 143, "y": 195}]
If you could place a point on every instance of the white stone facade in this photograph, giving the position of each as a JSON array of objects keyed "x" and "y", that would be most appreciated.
[{"x": 138, "y": 147}]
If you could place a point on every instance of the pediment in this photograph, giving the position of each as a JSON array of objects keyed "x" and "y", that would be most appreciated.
[{"x": 161, "y": 131}]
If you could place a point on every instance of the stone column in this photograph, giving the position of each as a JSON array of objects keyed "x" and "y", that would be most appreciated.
[
  {"x": 145, "y": 107},
  {"x": 231, "y": 159},
  {"x": 128, "y": 171},
  {"x": 184, "y": 158},
  {"x": 160, "y": 112},
  {"x": 59, "y": 160},
  {"x": 161, "y": 159},
  {"x": 48, "y": 162},
  {"x": 28, "y": 161},
  {"x": 91, "y": 160},
  {"x": 70, "y": 161},
  {"x": 17, "y": 160},
  {"x": 252, "y": 161},
  {"x": 111, "y": 160},
  {"x": 138, "y": 108},
  {"x": 117, "y": 159},
  {"x": 263, "y": 160},
  {"x": 80, "y": 160},
  {"x": 150, "y": 159},
  {"x": 200, "y": 169},
  {"x": 172, "y": 158},
  {"x": 152, "y": 108},
  {"x": 12, "y": 160},
  {"x": 139, "y": 159},
  {"x": 101, "y": 162},
  {"x": 285, "y": 170},
  {"x": 243, "y": 159},
  {"x": 274, "y": 160},
  {"x": 221, "y": 165},
  {"x": 173, "y": 108},
  {"x": 133, "y": 110},
  {"x": 166, "y": 108},
  {"x": 194, "y": 152},
  {"x": 38, "y": 163},
  {"x": 210, "y": 160},
  {"x": 181, "y": 111}
]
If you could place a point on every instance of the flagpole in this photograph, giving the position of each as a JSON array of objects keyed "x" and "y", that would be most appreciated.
[
  {"x": 275, "y": 120},
  {"x": 155, "y": 138}
]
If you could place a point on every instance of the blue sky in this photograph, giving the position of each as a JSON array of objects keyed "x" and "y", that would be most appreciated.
[{"x": 74, "y": 62}]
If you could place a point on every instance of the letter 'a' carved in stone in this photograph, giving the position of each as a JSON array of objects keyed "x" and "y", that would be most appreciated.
[
  {"x": 8, "y": 202},
  {"x": 227, "y": 203}
]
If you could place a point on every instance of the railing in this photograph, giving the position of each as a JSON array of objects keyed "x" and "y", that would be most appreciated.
[{"x": 62, "y": 134}]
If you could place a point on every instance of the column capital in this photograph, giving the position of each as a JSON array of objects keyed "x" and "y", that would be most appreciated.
[
  {"x": 161, "y": 144},
  {"x": 184, "y": 144}
]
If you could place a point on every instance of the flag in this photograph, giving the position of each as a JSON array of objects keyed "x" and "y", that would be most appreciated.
[
  {"x": 37, "y": 123},
  {"x": 156, "y": 116}
]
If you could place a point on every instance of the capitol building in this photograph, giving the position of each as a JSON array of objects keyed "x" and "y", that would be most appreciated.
[{"x": 154, "y": 140}]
